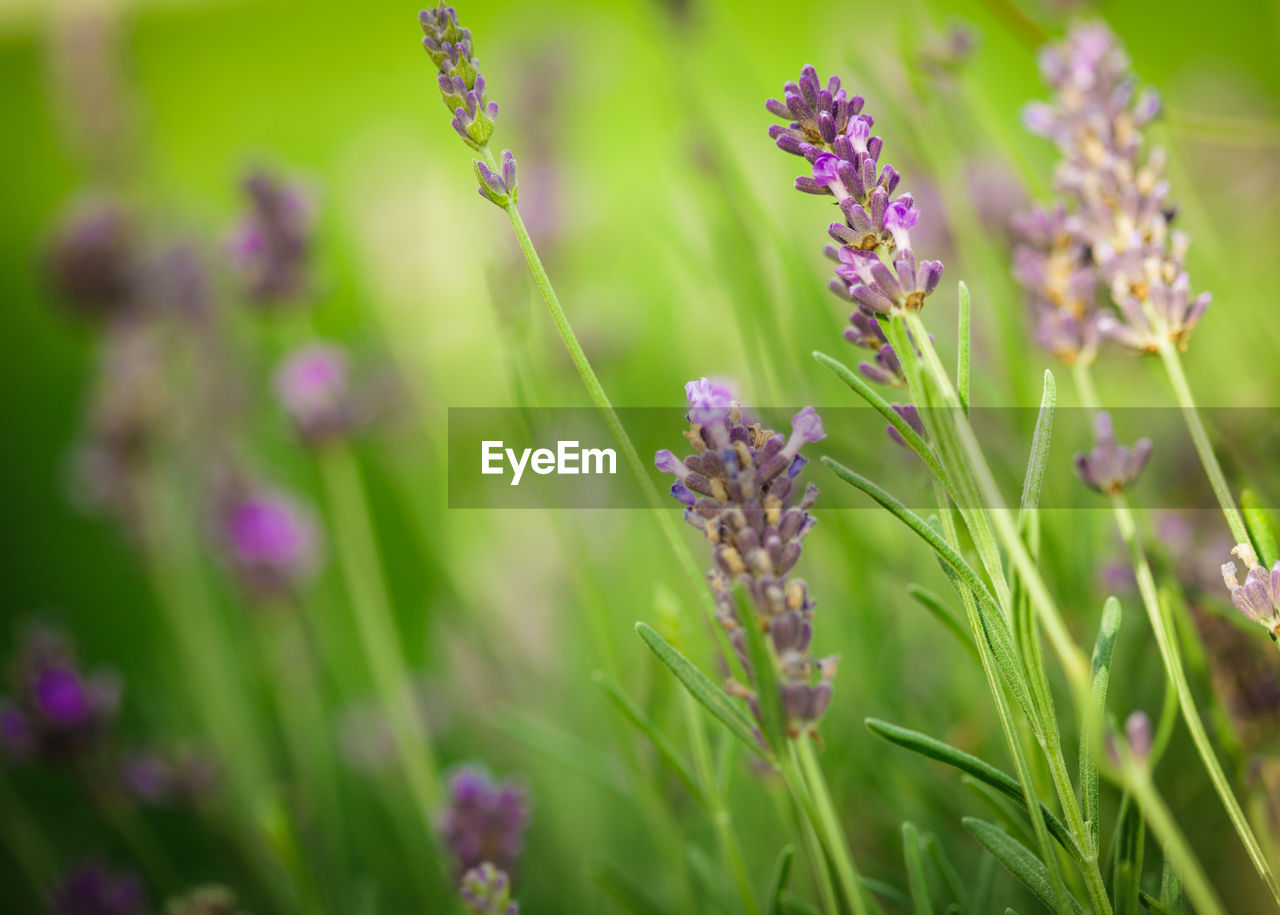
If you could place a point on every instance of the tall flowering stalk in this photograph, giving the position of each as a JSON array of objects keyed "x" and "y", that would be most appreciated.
[
  {"x": 1103, "y": 260},
  {"x": 1108, "y": 237},
  {"x": 463, "y": 90},
  {"x": 879, "y": 272}
]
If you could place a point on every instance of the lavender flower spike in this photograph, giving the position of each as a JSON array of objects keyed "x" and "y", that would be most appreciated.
[
  {"x": 462, "y": 87},
  {"x": 1259, "y": 597},
  {"x": 313, "y": 386},
  {"x": 270, "y": 542},
  {"x": 1110, "y": 468},
  {"x": 738, "y": 488},
  {"x": 271, "y": 247},
  {"x": 877, "y": 269},
  {"x": 486, "y": 890},
  {"x": 92, "y": 889}
]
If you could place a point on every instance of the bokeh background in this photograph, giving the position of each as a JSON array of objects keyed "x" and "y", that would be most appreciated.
[{"x": 679, "y": 249}]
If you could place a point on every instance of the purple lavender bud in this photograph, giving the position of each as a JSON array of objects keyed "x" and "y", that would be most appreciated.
[
  {"x": 461, "y": 85},
  {"x": 484, "y": 821},
  {"x": 499, "y": 188},
  {"x": 1258, "y": 599},
  {"x": 92, "y": 889},
  {"x": 911, "y": 414},
  {"x": 147, "y": 777},
  {"x": 486, "y": 890},
  {"x": 1137, "y": 731},
  {"x": 1110, "y": 468},
  {"x": 93, "y": 262},
  {"x": 312, "y": 385},
  {"x": 271, "y": 247},
  {"x": 271, "y": 543}
]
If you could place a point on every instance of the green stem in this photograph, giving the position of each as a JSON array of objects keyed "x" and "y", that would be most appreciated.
[
  {"x": 800, "y": 769},
  {"x": 601, "y": 400},
  {"x": 1069, "y": 654},
  {"x": 721, "y": 818},
  {"x": 1200, "y": 438},
  {"x": 357, "y": 551},
  {"x": 1170, "y": 655},
  {"x": 1138, "y": 780}
]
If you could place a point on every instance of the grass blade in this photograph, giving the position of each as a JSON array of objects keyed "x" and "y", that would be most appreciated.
[
  {"x": 1170, "y": 888},
  {"x": 950, "y": 876},
  {"x": 1103, "y": 649},
  {"x": 778, "y": 882},
  {"x": 644, "y": 724},
  {"x": 1260, "y": 527},
  {"x": 1033, "y": 482},
  {"x": 916, "y": 880},
  {"x": 713, "y": 698},
  {"x": 623, "y": 889},
  {"x": 1017, "y": 860},
  {"x": 943, "y": 614}
]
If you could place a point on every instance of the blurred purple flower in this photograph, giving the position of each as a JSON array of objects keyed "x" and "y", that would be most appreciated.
[
  {"x": 93, "y": 260},
  {"x": 55, "y": 711},
  {"x": 271, "y": 246},
  {"x": 484, "y": 820},
  {"x": 92, "y": 889},
  {"x": 1116, "y": 234},
  {"x": 272, "y": 544},
  {"x": 314, "y": 388},
  {"x": 1111, "y": 468}
]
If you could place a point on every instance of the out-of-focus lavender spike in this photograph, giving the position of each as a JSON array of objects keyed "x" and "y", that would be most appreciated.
[
  {"x": 93, "y": 260},
  {"x": 270, "y": 541},
  {"x": 91, "y": 887},
  {"x": 314, "y": 387},
  {"x": 484, "y": 821},
  {"x": 55, "y": 712},
  {"x": 271, "y": 246},
  {"x": 1110, "y": 228}
]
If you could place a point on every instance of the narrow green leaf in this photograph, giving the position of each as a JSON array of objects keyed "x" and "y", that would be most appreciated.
[
  {"x": 1155, "y": 905},
  {"x": 1011, "y": 815},
  {"x": 646, "y": 726},
  {"x": 884, "y": 891},
  {"x": 574, "y": 754},
  {"x": 1170, "y": 888},
  {"x": 963, "y": 344},
  {"x": 945, "y": 616},
  {"x": 917, "y": 883},
  {"x": 917, "y": 524},
  {"x": 956, "y": 885},
  {"x": 1261, "y": 529},
  {"x": 798, "y": 905},
  {"x": 1128, "y": 867},
  {"x": 713, "y": 698},
  {"x": 881, "y": 406},
  {"x": 711, "y": 878},
  {"x": 1033, "y": 482},
  {"x": 781, "y": 873},
  {"x": 768, "y": 694},
  {"x": 1017, "y": 860},
  {"x": 933, "y": 748},
  {"x": 1103, "y": 649}
]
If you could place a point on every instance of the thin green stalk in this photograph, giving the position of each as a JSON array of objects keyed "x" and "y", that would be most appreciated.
[
  {"x": 1200, "y": 438},
  {"x": 1007, "y": 724},
  {"x": 601, "y": 400},
  {"x": 721, "y": 818},
  {"x": 1168, "y": 645},
  {"x": 1170, "y": 654},
  {"x": 1069, "y": 654},
  {"x": 358, "y": 555},
  {"x": 800, "y": 765},
  {"x": 1138, "y": 781}
]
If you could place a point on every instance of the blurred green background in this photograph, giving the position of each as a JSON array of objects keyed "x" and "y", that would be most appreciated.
[{"x": 668, "y": 222}]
